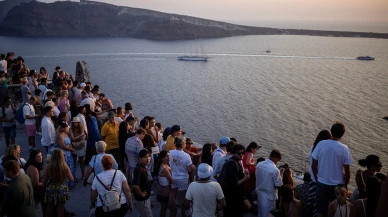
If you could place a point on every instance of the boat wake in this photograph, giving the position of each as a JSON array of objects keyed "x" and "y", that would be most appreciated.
[{"x": 174, "y": 55}]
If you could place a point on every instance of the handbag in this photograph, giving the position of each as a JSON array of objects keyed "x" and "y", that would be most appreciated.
[
  {"x": 90, "y": 179},
  {"x": 78, "y": 145}
]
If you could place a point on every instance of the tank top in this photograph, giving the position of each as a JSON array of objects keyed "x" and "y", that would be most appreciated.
[
  {"x": 163, "y": 181},
  {"x": 62, "y": 105}
]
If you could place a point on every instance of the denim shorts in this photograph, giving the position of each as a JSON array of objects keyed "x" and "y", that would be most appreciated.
[
  {"x": 10, "y": 132},
  {"x": 324, "y": 195}
]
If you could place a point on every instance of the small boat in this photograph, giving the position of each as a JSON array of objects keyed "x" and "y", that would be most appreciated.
[
  {"x": 268, "y": 50},
  {"x": 193, "y": 58},
  {"x": 365, "y": 58}
]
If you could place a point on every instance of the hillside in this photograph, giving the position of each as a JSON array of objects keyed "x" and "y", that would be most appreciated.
[{"x": 100, "y": 19}]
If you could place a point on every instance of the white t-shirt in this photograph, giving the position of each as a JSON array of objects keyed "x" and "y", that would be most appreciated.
[
  {"x": 179, "y": 160},
  {"x": 267, "y": 177},
  {"x": 89, "y": 101},
  {"x": 204, "y": 197},
  {"x": 331, "y": 156},
  {"x": 48, "y": 132},
  {"x": 43, "y": 89},
  {"x": 3, "y": 66},
  {"x": 9, "y": 115},
  {"x": 29, "y": 110},
  {"x": 96, "y": 163},
  {"x": 118, "y": 120},
  {"x": 106, "y": 178},
  {"x": 56, "y": 111}
]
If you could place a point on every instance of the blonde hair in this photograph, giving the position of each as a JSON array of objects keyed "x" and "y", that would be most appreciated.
[
  {"x": 64, "y": 93},
  {"x": 57, "y": 168}
]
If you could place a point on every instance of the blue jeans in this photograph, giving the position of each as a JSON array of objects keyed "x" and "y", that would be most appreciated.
[{"x": 324, "y": 195}]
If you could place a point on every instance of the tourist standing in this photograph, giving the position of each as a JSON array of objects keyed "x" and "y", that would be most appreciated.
[
  {"x": 369, "y": 206},
  {"x": 207, "y": 196},
  {"x": 142, "y": 183},
  {"x": 268, "y": 180},
  {"x": 182, "y": 170},
  {"x": 340, "y": 207},
  {"x": 219, "y": 153},
  {"x": 232, "y": 179},
  {"x": 373, "y": 165},
  {"x": 330, "y": 160},
  {"x": 55, "y": 177},
  {"x": 96, "y": 164},
  {"x": 224, "y": 159},
  {"x": 249, "y": 163},
  {"x": 86, "y": 100},
  {"x": 30, "y": 121},
  {"x": 48, "y": 128},
  {"x": 133, "y": 146},
  {"x": 148, "y": 142},
  {"x": 93, "y": 134},
  {"x": 3, "y": 63},
  {"x": 33, "y": 169},
  {"x": 164, "y": 181},
  {"x": 125, "y": 132},
  {"x": 19, "y": 198},
  {"x": 302, "y": 192},
  {"x": 8, "y": 118},
  {"x": 77, "y": 137},
  {"x": 175, "y": 131},
  {"x": 26, "y": 92},
  {"x": 111, "y": 179},
  {"x": 310, "y": 209},
  {"x": 119, "y": 115},
  {"x": 110, "y": 135}
]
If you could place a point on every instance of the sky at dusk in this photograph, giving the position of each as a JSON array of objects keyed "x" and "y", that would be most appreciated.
[{"x": 270, "y": 10}]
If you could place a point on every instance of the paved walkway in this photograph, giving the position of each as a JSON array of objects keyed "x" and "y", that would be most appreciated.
[{"x": 79, "y": 202}]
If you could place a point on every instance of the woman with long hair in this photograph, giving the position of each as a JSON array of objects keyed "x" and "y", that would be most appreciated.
[
  {"x": 124, "y": 133},
  {"x": 288, "y": 205},
  {"x": 249, "y": 163},
  {"x": 55, "y": 177},
  {"x": 207, "y": 154},
  {"x": 164, "y": 180},
  {"x": 373, "y": 164},
  {"x": 63, "y": 142},
  {"x": 287, "y": 175},
  {"x": 310, "y": 206},
  {"x": 64, "y": 104},
  {"x": 367, "y": 207},
  {"x": 43, "y": 74},
  {"x": 33, "y": 169},
  {"x": 77, "y": 135}
]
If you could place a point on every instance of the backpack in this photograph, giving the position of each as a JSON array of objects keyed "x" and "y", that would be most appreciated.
[
  {"x": 20, "y": 117},
  {"x": 111, "y": 197}
]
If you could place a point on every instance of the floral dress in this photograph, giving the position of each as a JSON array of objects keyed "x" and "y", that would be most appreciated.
[
  {"x": 68, "y": 157},
  {"x": 56, "y": 192}
]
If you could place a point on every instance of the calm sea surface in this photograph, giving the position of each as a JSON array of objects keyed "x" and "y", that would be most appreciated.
[{"x": 281, "y": 100}]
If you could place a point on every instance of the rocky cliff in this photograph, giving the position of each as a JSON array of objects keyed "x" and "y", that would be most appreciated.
[{"x": 100, "y": 19}]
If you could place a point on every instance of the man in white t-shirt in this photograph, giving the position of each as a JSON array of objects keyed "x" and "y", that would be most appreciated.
[
  {"x": 30, "y": 121},
  {"x": 48, "y": 128},
  {"x": 206, "y": 195},
  {"x": 331, "y": 160},
  {"x": 268, "y": 180},
  {"x": 182, "y": 170},
  {"x": 87, "y": 100}
]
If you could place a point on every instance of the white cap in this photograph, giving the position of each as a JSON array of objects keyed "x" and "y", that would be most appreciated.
[
  {"x": 204, "y": 171},
  {"x": 82, "y": 85}
]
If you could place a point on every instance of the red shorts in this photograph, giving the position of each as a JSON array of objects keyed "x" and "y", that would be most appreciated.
[{"x": 31, "y": 130}]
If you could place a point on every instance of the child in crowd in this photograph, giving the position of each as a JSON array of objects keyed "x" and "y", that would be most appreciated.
[{"x": 340, "y": 207}]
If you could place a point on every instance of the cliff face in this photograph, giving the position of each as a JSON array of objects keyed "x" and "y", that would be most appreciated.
[
  {"x": 100, "y": 19},
  {"x": 7, "y": 5},
  {"x": 87, "y": 18}
]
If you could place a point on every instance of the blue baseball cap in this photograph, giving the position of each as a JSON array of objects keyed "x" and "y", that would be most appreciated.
[{"x": 224, "y": 140}]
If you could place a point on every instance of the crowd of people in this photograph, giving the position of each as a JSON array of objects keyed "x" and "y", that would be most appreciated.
[{"x": 121, "y": 157}]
